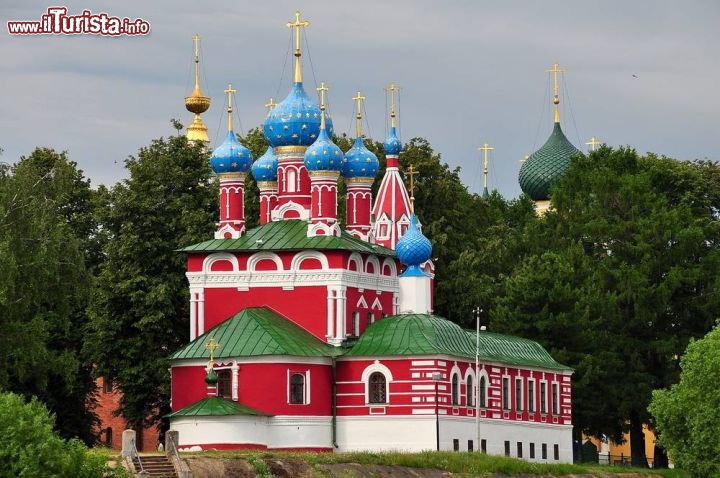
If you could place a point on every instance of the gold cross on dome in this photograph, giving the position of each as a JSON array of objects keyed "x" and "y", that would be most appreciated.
[
  {"x": 297, "y": 25},
  {"x": 411, "y": 172},
  {"x": 271, "y": 104},
  {"x": 594, "y": 143},
  {"x": 322, "y": 90},
  {"x": 359, "y": 98},
  {"x": 230, "y": 92},
  {"x": 392, "y": 89},
  {"x": 556, "y": 89},
  {"x": 485, "y": 148},
  {"x": 211, "y": 345}
]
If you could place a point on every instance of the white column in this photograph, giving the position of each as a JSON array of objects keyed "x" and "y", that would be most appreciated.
[
  {"x": 330, "y": 310},
  {"x": 201, "y": 312},
  {"x": 340, "y": 318},
  {"x": 234, "y": 384},
  {"x": 193, "y": 314}
]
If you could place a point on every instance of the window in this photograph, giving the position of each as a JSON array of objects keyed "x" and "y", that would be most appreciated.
[
  {"x": 556, "y": 451},
  {"x": 519, "y": 449},
  {"x": 377, "y": 389},
  {"x": 555, "y": 398},
  {"x": 108, "y": 437},
  {"x": 370, "y": 318},
  {"x": 224, "y": 384},
  {"x": 470, "y": 392},
  {"x": 544, "y": 451},
  {"x": 455, "y": 390},
  {"x": 470, "y": 445},
  {"x": 531, "y": 395},
  {"x": 297, "y": 388},
  {"x": 456, "y": 444},
  {"x": 506, "y": 393},
  {"x": 518, "y": 394},
  {"x": 290, "y": 175},
  {"x": 483, "y": 445},
  {"x": 107, "y": 385},
  {"x": 543, "y": 397},
  {"x": 532, "y": 450},
  {"x": 356, "y": 324},
  {"x": 483, "y": 392},
  {"x": 507, "y": 448}
]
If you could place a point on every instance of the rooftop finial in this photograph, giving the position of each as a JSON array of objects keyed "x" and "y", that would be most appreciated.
[
  {"x": 196, "y": 42},
  {"x": 594, "y": 143},
  {"x": 197, "y": 102},
  {"x": 211, "y": 345},
  {"x": 392, "y": 89},
  {"x": 358, "y": 126},
  {"x": 230, "y": 92},
  {"x": 297, "y": 24},
  {"x": 322, "y": 90},
  {"x": 556, "y": 89},
  {"x": 270, "y": 104},
  {"x": 485, "y": 148},
  {"x": 411, "y": 172}
]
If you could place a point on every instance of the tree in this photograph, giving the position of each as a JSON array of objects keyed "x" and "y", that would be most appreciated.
[
  {"x": 687, "y": 416},
  {"x": 139, "y": 311},
  {"x": 45, "y": 228}
]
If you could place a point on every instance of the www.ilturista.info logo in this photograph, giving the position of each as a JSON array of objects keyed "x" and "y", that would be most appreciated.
[{"x": 58, "y": 22}]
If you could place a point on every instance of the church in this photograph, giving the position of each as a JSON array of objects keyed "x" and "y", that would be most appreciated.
[{"x": 308, "y": 336}]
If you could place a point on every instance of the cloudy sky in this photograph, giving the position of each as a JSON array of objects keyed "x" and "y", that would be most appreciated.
[{"x": 643, "y": 73}]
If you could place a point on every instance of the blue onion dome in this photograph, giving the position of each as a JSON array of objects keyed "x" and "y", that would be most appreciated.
[
  {"x": 231, "y": 156},
  {"x": 323, "y": 154},
  {"x": 295, "y": 120},
  {"x": 413, "y": 248},
  {"x": 265, "y": 167},
  {"x": 546, "y": 165},
  {"x": 360, "y": 162},
  {"x": 392, "y": 143}
]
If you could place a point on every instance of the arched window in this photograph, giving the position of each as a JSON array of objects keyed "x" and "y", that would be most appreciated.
[
  {"x": 455, "y": 390},
  {"x": 290, "y": 178},
  {"x": 377, "y": 388},
  {"x": 108, "y": 437},
  {"x": 224, "y": 384},
  {"x": 470, "y": 392},
  {"x": 297, "y": 388},
  {"x": 483, "y": 392}
]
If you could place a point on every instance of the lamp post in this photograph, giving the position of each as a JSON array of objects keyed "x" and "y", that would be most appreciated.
[
  {"x": 437, "y": 376},
  {"x": 478, "y": 311}
]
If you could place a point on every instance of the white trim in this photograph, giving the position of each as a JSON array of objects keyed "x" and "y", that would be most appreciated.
[
  {"x": 361, "y": 303},
  {"x": 371, "y": 259},
  {"x": 301, "y": 256},
  {"x": 256, "y": 258},
  {"x": 365, "y": 378},
  {"x": 279, "y": 212},
  {"x": 390, "y": 263},
  {"x": 215, "y": 257},
  {"x": 532, "y": 398},
  {"x": 522, "y": 394}
]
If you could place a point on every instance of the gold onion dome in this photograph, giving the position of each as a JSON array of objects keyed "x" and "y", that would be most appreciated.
[{"x": 197, "y": 102}]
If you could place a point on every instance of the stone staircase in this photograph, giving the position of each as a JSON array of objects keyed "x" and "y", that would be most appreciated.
[{"x": 155, "y": 466}]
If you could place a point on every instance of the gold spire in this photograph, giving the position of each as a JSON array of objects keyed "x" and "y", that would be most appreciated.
[
  {"x": 211, "y": 345},
  {"x": 322, "y": 90},
  {"x": 270, "y": 104},
  {"x": 359, "y": 98},
  {"x": 230, "y": 92},
  {"x": 594, "y": 143},
  {"x": 197, "y": 103},
  {"x": 411, "y": 172},
  {"x": 297, "y": 24},
  {"x": 392, "y": 89},
  {"x": 556, "y": 89},
  {"x": 485, "y": 148}
]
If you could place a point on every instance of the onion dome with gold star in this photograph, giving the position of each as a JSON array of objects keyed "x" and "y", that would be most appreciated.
[
  {"x": 323, "y": 154},
  {"x": 546, "y": 165},
  {"x": 359, "y": 162},
  {"x": 295, "y": 121},
  {"x": 413, "y": 249},
  {"x": 265, "y": 167},
  {"x": 230, "y": 156}
]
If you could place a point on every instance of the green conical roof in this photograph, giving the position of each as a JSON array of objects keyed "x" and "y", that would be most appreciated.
[
  {"x": 546, "y": 165},
  {"x": 215, "y": 407}
]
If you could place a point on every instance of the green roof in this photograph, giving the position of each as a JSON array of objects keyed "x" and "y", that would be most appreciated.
[
  {"x": 421, "y": 334},
  {"x": 546, "y": 165},
  {"x": 256, "y": 331},
  {"x": 289, "y": 235},
  {"x": 215, "y": 407}
]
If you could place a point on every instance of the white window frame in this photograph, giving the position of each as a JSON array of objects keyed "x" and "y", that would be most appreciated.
[{"x": 306, "y": 387}]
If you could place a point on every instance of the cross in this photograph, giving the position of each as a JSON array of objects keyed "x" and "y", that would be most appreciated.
[
  {"x": 230, "y": 92},
  {"x": 485, "y": 148},
  {"x": 271, "y": 104},
  {"x": 322, "y": 90},
  {"x": 297, "y": 24},
  {"x": 211, "y": 345},
  {"x": 392, "y": 89},
  {"x": 196, "y": 42},
  {"x": 525, "y": 158},
  {"x": 359, "y": 98},
  {"x": 593, "y": 143},
  {"x": 411, "y": 172},
  {"x": 556, "y": 97}
]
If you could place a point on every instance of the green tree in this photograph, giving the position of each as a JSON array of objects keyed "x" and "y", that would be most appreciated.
[
  {"x": 687, "y": 416},
  {"x": 139, "y": 310}
]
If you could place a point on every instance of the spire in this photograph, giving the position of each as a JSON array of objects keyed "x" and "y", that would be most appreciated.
[
  {"x": 359, "y": 98},
  {"x": 230, "y": 91},
  {"x": 556, "y": 88},
  {"x": 411, "y": 172},
  {"x": 297, "y": 25},
  {"x": 485, "y": 148},
  {"x": 594, "y": 143},
  {"x": 197, "y": 102},
  {"x": 392, "y": 89},
  {"x": 322, "y": 90}
]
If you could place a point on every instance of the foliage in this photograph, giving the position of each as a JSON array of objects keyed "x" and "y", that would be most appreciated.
[
  {"x": 47, "y": 236},
  {"x": 29, "y": 447},
  {"x": 140, "y": 307},
  {"x": 687, "y": 415}
]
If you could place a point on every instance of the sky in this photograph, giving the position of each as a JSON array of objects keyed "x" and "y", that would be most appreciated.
[{"x": 642, "y": 73}]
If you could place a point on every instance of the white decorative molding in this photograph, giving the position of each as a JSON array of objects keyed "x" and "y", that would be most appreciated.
[
  {"x": 327, "y": 230},
  {"x": 389, "y": 262},
  {"x": 256, "y": 258},
  {"x": 279, "y": 212},
  {"x": 227, "y": 230},
  {"x": 220, "y": 257},
  {"x": 300, "y": 257}
]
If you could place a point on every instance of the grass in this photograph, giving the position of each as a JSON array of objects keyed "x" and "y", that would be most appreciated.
[{"x": 475, "y": 464}]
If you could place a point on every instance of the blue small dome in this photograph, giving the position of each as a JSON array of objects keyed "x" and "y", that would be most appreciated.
[
  {"x": 295, "y": 120},
  {"x": 360, "y": 162},
  {"x": 265, "y": 167},
  {"x": 413, "y": 248},
  {"x": 231, "y": 156},
  {"x": 392, "y": 143},
  {"x": 323, "y": 155}
]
